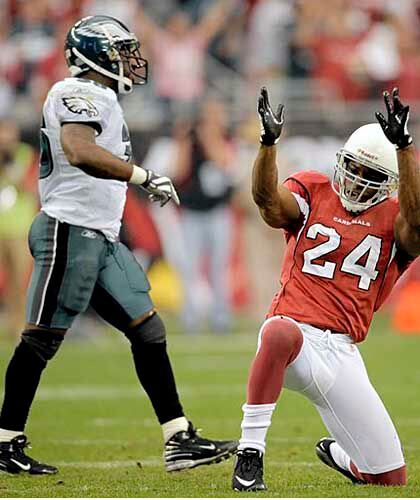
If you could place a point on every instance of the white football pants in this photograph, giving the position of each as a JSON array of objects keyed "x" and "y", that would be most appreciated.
[{"x": 329, "y": 370}]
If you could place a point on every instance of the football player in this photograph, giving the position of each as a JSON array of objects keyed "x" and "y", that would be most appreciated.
[
  {"x": 347, "y": 243},
  {"x": 85, "y": 165}
]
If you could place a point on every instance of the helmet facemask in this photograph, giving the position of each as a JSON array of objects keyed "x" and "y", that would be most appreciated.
[
  {"x": 359, "y": 193},
  {"x": 135, "y": 67}
]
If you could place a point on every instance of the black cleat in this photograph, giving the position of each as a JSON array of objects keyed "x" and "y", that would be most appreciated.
[
  {"x": 13, "y": 459},
  {"x": 249, "y": 469},
  {"x": 186, "y": 450},
  {"x": 324, "y": 454}
]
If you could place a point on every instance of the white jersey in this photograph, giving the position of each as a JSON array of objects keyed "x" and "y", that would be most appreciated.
[{"x": 67, "y": 193}]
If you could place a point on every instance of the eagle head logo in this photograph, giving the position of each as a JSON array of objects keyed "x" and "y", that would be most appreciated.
[{"x": 80, "y": 105}]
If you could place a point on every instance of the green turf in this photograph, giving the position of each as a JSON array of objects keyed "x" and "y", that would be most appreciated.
[{"x": 92, "y": 420}]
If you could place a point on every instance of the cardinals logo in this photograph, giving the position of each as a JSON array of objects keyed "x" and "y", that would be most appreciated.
[{"x": 80, "y": 105}]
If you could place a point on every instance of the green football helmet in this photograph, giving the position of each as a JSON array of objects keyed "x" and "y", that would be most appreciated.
[{"x": 105, "y": 45}]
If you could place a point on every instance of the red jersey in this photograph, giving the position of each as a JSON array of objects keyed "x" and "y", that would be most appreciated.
[{"x": 339, "y": 267}]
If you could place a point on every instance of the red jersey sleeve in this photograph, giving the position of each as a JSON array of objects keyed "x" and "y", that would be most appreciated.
[
  {"x": 298, "y": 184},
  {"x": 303, "y": 185}
]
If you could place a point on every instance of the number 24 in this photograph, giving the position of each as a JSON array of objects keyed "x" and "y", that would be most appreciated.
[{"x": 367, "y": 271}]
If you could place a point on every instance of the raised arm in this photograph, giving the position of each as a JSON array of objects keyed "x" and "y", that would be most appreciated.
[
  {"x": 278, "y": 207},
  {"x": 146, "y": 27},
  {"x": 81, "y": 150},
  {"x": 214, "y": 19},
  {"x": 407, "y": 225},
  {"x": 215, "y": 145}
]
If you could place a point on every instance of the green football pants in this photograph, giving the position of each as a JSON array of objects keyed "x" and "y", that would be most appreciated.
[{"x": 76, "y": 267}]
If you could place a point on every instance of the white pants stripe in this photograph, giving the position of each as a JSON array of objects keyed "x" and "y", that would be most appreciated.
[{"x": 47, "y": 281}]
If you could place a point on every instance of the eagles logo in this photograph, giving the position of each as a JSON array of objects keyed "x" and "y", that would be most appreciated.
[{"x": 80, "y": 105}]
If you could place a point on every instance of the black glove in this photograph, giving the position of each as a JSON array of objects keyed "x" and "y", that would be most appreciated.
[
  {"x": 160, "y": 188},
  {"x": 271, "y": 123},
  {"x": 395, "y": 128}
]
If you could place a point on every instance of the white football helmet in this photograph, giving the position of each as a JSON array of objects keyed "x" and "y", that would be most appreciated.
[{"x": 368, "y": 147}]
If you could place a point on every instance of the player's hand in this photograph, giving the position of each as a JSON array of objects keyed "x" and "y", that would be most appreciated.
[
  {"x": 395, "y": 126},
  {"x": 160, "y": 188},
  {"x": 271, "y": 123}
]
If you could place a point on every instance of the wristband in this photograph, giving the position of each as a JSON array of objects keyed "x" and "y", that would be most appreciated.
[
  {"x": 139, "y": 175},
  {"x": 267, "y": 140},
  {"x": 405, "y": 142}
]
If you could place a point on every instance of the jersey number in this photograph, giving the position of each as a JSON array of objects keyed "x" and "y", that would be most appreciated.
[
  {"x": 45, "y": 160},
  {"x": 369, "y": 247},
  {"x": 125, "y": 136}
]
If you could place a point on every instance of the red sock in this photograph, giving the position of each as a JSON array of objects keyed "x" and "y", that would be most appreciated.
[
  {"x": 396, "y": 477},
  {"x": 281, "y": 342}
]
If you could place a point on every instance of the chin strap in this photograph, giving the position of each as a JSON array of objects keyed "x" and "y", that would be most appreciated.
[
  {"x": 353, "y": 208},
  {"x": 125, "y": 85}
]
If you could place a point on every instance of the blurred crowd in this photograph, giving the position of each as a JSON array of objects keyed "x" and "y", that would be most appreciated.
[
  {"x": 351, "y": 48},
  {"x": 196, "y": 122}
]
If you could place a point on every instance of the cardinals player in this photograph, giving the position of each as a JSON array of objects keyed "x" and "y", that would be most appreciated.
[{"x": 347, "y": 243}]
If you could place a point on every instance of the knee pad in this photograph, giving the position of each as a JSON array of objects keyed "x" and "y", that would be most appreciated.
[
  {"x": 43, "y": 342},
  {"x": 282, "y": 335},
  {"x": 150, "y": 331}
]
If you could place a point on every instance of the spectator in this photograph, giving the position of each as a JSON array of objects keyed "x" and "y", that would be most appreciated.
[
  {"x": 10, "y": 69},
  {"x": 33, "y": 35},
  {"x": 178, "y": 52},
  {"x": 167, "y": 156},
  {"x": 258, "y": 240},
  {"x": 331, "y": 36},
  {"x": 267, "y": 39},
  {"x": 378, "y": 55},
  {"x": 409, "y": 77},
  {"x": 124, "y": 10},
  {"x": 18, "y": 206},
  {"x": 52, "y": 67},
  {"x": 206, "y": 187}
]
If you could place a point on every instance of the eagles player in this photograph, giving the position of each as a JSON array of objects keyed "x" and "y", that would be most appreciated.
[{"x": 85, "y": 165}]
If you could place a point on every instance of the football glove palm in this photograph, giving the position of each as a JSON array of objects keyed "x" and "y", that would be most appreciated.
[
  {"x": 271, "y": 123},
  {"x": 395, "y": 126}
]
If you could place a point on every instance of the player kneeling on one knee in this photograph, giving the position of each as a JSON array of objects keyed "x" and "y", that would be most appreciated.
[{"x": 348, "y": 241}]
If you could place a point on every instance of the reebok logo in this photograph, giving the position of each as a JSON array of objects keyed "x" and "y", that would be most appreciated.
[
  {"x": 345, "y": 222},
  {"x": 87, "y": 233}
]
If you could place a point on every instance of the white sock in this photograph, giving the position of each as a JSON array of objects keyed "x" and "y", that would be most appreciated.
[
  {"x": 6, "y": 435},
  {"x": 340, "y": 456},
  {"x": 255, "y": 424},
  {"x": 173, "y": 426}
]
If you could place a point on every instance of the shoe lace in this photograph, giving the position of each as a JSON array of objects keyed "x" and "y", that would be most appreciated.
[
  {"x": 19, "y": 446},
  {"x": 195, "y": 433}
]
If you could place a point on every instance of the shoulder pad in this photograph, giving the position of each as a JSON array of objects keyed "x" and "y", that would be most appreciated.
[
  {"x": 310, "y": 177},
  {"x": 79, "y": 87}
]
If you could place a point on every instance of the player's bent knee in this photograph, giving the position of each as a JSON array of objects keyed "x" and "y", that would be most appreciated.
[
  {"x": 150, "y": 331},
  {"x": 43, "y": 342},
  {"x": 282, "y": 335}
]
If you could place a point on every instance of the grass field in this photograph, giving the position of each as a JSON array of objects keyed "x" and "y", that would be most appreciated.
[{"x": 91, "y": 419}]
